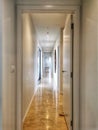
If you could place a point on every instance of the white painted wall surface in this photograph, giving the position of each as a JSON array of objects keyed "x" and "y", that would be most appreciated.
[
  {"x": 50, "y": 2},
  {"x": 29, "y": 61},
  {"x": 55, "y": 74},
  {"x": 89, "y": 66},
  {"x": 9, "y": 65}
]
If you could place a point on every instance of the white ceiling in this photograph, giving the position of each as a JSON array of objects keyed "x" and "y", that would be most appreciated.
[{"x": 48, "y": 27}]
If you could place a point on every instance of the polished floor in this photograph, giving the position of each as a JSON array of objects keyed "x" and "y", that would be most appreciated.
[{"x": 45, "y": 110}]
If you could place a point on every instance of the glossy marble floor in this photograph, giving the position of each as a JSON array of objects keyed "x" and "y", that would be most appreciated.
[{"x": 45, "y": 109}]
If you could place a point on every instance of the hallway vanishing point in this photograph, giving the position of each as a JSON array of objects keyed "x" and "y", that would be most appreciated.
[{"x": 44, "y": 113}]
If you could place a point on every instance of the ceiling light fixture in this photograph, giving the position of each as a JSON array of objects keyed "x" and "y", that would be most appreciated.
[{"x": 48, "y": 6}]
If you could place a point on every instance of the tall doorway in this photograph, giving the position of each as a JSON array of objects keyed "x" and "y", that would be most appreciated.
[
  {"x": 54, "y": 67},
  {"x": 39, "y": 63}
]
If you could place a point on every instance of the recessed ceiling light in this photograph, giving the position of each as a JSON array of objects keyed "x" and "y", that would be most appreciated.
[{"x": 49, "y": 6}]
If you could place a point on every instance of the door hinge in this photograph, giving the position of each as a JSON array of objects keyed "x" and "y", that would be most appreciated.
[
  {"x": 71, "y": 123},
  {"x": 71, "y": 74},
  {"x": 72, "y": 25}
]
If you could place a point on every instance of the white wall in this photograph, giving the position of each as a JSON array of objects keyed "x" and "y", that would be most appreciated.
[
  {"x": 55, "y": 74},
  {"x": 50, "y": 2},
  {"x": 9, "y": 63},
  {"x": 89, "y": 66},
  {"x": 29, "y": 61}
]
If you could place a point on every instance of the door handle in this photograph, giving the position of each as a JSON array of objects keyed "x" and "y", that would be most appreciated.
[{"x": 63, "y": 71}]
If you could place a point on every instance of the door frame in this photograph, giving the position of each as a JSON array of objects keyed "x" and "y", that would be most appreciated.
[
  {"x": 75, "y": 10},
  {"x": 39, "y": 65}
]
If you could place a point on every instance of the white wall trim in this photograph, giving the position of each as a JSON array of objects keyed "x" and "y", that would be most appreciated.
[
  {"x": 57, "y": 2},
  {"x": 60, "y": 9}
]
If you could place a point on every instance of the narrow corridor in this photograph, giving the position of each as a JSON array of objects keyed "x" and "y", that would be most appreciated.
[
  {"x": 45, "y": 109},
  {"x": 68, "y": 31}
]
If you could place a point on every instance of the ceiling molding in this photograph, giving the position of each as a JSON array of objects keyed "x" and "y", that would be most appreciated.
[{"x": 48, "y": 2}]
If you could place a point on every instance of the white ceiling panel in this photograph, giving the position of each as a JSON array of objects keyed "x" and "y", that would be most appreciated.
[{"x": 48, "y": 27}]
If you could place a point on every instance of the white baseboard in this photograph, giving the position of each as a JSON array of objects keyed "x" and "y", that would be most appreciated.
[{"x": 29, "y": 107}]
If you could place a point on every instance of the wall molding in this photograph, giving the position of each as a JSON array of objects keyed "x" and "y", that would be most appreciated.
[{"x": 50, "y": 2}]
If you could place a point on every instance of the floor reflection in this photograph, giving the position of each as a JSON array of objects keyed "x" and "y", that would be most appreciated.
[{"x": 45, "y": 109}]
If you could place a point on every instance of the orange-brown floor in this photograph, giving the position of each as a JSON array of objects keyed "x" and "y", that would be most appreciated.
[{"x": 45, "y": 109}]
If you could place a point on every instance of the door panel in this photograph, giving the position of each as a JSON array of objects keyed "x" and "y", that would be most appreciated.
[{"x": 67, "y": 68}]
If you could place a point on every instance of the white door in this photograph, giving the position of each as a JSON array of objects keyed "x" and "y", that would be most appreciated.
[{"x": 67, "y": 69}]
